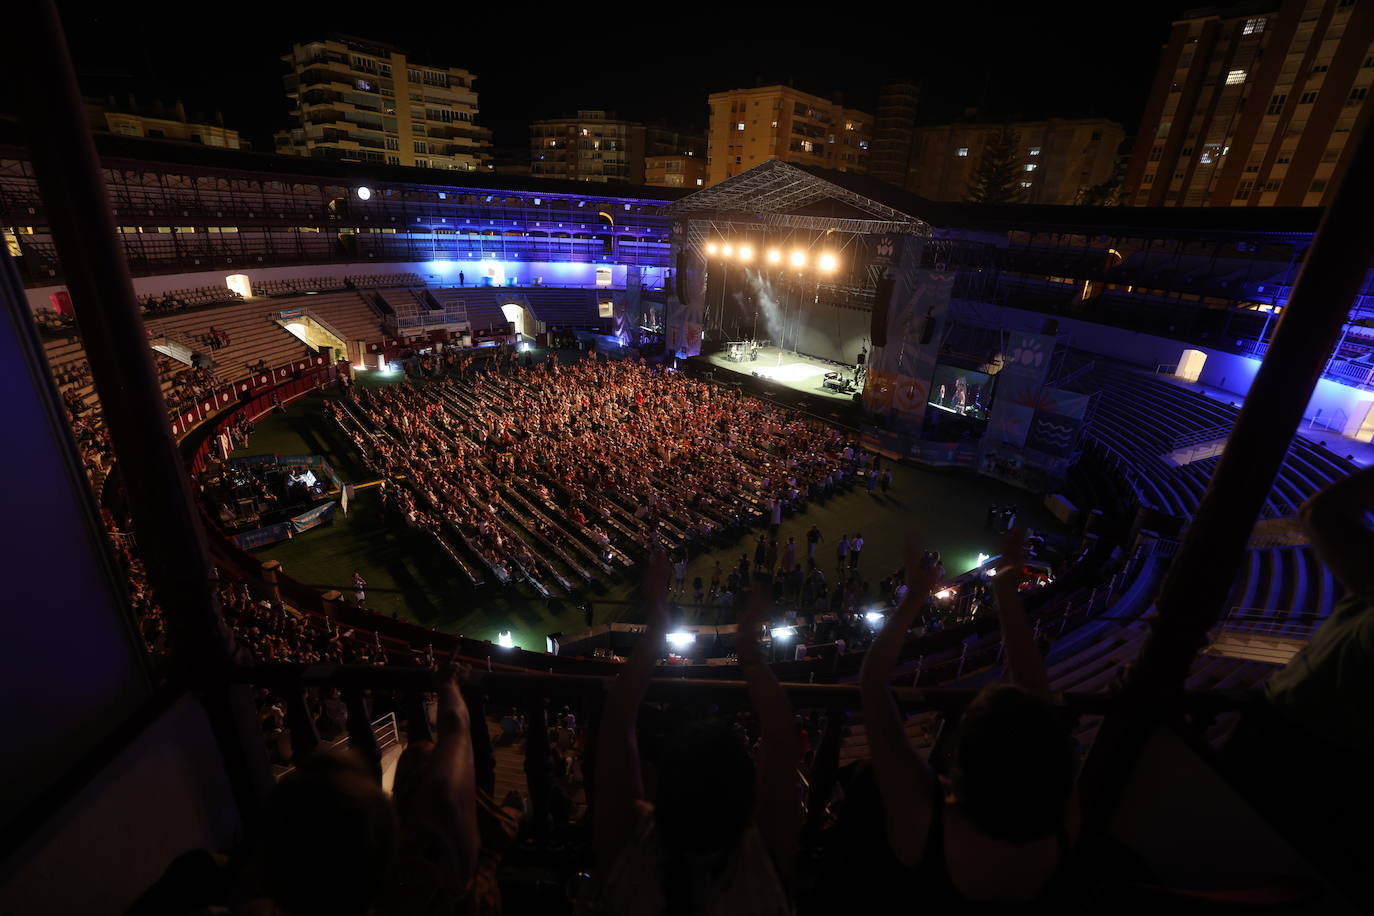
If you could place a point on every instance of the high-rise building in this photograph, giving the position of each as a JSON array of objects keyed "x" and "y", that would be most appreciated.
[
  {"x": 1255, "y": 106},
  {"x": 749, "y": 126},
  {"x": 893, "y": 133},
  {"x": 1060, "y": 158},
  {"x": 160, "y": 123},
  {"x": 367, "y": 101},
  {"x": 598, "y": 146}
]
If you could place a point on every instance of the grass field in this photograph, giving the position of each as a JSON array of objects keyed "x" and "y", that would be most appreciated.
[{"x": 407, "y": 574}]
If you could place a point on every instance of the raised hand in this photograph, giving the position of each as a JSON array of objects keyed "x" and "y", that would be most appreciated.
[
  {"x": 921, "y": 571},
  {"x": 1013, "y": 550},
  {"x": 752, "y": 620},
  {"x": 655, "y": 588}
]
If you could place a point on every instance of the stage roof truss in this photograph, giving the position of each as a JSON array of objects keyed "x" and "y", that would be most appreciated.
[{"x": 768, "y": 191}]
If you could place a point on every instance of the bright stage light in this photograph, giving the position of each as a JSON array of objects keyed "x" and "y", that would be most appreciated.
[
  {"x": 774, "y": 256},
  {"x": 944, "y": 593},
  {"x": 711, "y": 248},
  {"x": 364, "y": 192},
  {"x": 681, "y": 639},
  {"x": 746, "y": 253},
  {"x": 782, "y": 634},
  {"x": 828, "y": 262},
  {"x": 873, "y": 617},
  {"x": 727, "y": 249},
  {"x": 798, "y": 259},
  {"x": 983, "y": 558},
  {"x": 505, "y": 640}
]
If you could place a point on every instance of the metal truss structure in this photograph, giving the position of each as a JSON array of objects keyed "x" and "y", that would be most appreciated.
[{"x": 777, "y": 195}]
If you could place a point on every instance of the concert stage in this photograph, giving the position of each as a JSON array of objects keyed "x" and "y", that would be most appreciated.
[{"x": 792, "y": 370}]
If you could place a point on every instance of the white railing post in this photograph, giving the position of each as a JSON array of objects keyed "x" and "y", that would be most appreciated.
[
  {"x": 920, "y": 660},
  {"x": 963, "y": 657}
]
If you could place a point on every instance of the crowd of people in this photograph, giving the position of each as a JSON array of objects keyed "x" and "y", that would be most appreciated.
[{"x": 531, "y": 464}]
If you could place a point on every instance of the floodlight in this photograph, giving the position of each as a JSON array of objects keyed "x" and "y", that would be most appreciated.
[
  {"x": 364, "y": 192},
  {"x": 774, "y": 256},
  {"x": 798, "y": 259},
  {"x": 727, "y": 249},
  {"x": 828, "y": 262},
  {"x": 711, "y": 248},
  {"x": 681, "y": 639},
  {"x": 746, "y": 253},
  {"x": 782, "y": 633},
  {"x": 505, "y": 640},
  {"x": 873, "y": 617}
]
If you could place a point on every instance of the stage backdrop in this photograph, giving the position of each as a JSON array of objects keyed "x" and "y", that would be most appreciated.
[{"x": 833, "y": 333}]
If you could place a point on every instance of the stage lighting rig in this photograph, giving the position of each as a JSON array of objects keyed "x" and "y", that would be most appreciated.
[
  {"x": 828, "y": 263},
  {"x": 799, "y": 259},
  {"x": 774, "y": 256},
  {"x": 746, "y": 253}
]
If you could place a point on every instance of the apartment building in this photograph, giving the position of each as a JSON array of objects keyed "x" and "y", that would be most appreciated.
[
  {"x": 160, "y": 123},
  {"x": 598, "y": 146},
  {"x": 675, "y": 171},
  {"x": 369, "y": 102},
  {"x": 1255, "y": 106},
  {"x": 749, "y": 126},
  {"x": 1059, "y": 159}
]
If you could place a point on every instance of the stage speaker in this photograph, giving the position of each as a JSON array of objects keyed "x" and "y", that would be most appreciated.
[
  {"x": 679, "y": 277},
  {"x": 928, "y": 327},
  {"x": 1051, "y": 328},
  {"x": 882, "y": 303}
]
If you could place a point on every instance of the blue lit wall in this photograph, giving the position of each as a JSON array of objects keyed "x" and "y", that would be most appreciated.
[{"x": 526, "y": 273}]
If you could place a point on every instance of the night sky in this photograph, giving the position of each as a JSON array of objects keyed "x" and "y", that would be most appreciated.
[{"x": 1063, "y": 58}]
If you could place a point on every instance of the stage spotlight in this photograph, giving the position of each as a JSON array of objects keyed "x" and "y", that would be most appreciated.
[
  {"x": 364, "y": 192},
  {"x": 681, "y": 639},
  {"x": 828, "y": 262},
  {"x": 711, "y": 248},
  {"x": 774, "y": 256},
  {"x": 505, "y": 640},
  {"x": 746, "y": 253},
  {"x": 873, "y": 617},
  {"x": 727, "y": 249},
  {"x": 782, "y": 634},
  {"x": 798, "y": 259}
]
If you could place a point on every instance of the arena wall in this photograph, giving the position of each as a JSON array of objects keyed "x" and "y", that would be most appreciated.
[
  {"x": 1229, "y": 372},
  {"x": 436, "y": 273}
]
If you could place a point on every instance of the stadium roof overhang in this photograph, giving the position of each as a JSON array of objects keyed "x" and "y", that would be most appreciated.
[{"x": 786, "y": 196}]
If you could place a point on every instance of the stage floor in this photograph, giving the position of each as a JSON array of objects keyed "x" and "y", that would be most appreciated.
[{"x": 792, "y": 370}]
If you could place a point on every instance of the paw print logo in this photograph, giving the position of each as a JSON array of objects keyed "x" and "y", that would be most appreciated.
[
  {"x": 885, "y": 247},
  {"x": 1027, "y": 352}
]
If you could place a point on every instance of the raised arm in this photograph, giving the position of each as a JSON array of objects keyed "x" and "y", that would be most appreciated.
[
  {"x": 777, "y": 809},
  {"x": 619, "y": 785},
  {"x": 1025, "y": 665},
  {"x": 440, "y": 800},
  {"x": 904, "y": 779},
  {"x": 1335, "y": 522}
]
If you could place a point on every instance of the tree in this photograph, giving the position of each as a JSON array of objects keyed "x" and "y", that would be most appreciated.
[
  {"x": 997, "y": 179},
  {"x": 1110, "y": 193}
]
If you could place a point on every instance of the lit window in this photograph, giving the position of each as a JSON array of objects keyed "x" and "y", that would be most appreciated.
[
  {"x": 1235, "y": 77},
  {"x": 1030, "y": 166},
  {"x": 740, "y": 126},
  {"x": 1035, "y": 151},
  {"x": 1253, "y": 26},
  {"x": 961, "y": 151},
  {"x": 1026, "y": 184},
  {"x": 698, "y": 181}
]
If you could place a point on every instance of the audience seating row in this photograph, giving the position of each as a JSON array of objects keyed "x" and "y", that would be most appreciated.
[
  {"x": 190, "y": 298},
  {"x": 252, "y": 334},
  {"x": 292, "y": 286},
  {"x": 375, "y": 281}
]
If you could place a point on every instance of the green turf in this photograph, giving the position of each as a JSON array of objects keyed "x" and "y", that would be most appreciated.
[{"x": 409, "y": 576}]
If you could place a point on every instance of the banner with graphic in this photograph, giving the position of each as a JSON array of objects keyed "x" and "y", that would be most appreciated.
[
  {"x": 1024, "y": 366},
  {"x": 315, "y": 517},
  {"x": 898, "y": 380}
]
